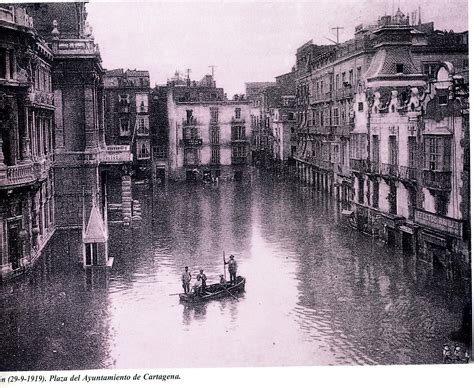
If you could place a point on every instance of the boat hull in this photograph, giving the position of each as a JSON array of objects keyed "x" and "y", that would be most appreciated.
[{"x": 216, "y": 291}]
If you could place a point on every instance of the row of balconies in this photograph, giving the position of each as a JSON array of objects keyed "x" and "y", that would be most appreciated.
[
  {"x": 235, "y": 160},
  {"x": 433, "y": 179},
  {"x": 192, "y": 121}
]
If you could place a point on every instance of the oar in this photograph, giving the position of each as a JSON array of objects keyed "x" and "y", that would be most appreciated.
[{"x": 232, "y": 295}]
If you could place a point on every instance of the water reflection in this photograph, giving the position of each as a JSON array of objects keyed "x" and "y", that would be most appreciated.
[{"x": 317, "y": 293}]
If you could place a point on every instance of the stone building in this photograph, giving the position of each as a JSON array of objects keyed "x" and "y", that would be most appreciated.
[
  {"x": 54, "y": 161},
  {"x": 273, "y": 121},
  {"x": 159, "y": 133},
  {"x": 208, "y": 134},
  {"x": 386, "y": 140},
  {"x": 127, "y": 114},
  {"x": 27, "y": 200}
]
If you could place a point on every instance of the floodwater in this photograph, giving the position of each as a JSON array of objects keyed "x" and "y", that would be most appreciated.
[{"x": 317, "y": 292}]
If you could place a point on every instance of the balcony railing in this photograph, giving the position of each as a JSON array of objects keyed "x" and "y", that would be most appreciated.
[
  {"x": 236, "y": 120},
  {"x": 191, "y": 142},
  {"x": 372, "y": 167},
  {"x": 116, "y": 154},
  {"x": 239, "y": 160},
  {"x": 437, "y": 222},
  {"x": 390, "y": 170},
  {"x": 358, "y": 165},
  {"x": 20, "y": 174},
  {"x": 439, "y": 180},
  {"x": 74, "y": 47},
  {"x": 24, "y": 174},
  {"x": 408, "y": 173}
]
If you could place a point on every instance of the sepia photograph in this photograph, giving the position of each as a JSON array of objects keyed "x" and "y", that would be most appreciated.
[{"x": 233, "y": 184}]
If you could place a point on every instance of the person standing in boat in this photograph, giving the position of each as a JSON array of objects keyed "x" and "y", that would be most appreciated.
[
  {"x": 186, "y": 280},
  {"x": 232, "y": 269},
  {"x": 202, "y": 277}
]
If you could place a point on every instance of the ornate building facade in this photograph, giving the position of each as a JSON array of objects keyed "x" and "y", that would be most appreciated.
[
  {"x": 383, "y": 134},
  {"x": 209, "y": 135},
  {"x": 54, "y": 160}
]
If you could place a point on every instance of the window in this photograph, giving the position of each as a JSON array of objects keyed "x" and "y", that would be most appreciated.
[
  {"x": 215, "y": 155},
  {"x": 3, "y": 63},
  {"x": 238, "y": 133},
  {"x": 215, "y": 138},
  {"x": 291, "y": 116},
  {"x": 359, "y": 74},
  {"x": 336, "y": 85},
  {"x": 351, "y": 77},
  {"x": 214, "y": 115},
  {"x": 336, "y": 116},
  {"x": 124, "y": 99},
  {"x": 237, "y": 113},
  {"x": 375, "y": 194},
  {"x": 239, "y": 151},
  {"x": 92, "y": 255},
  {"x": 143, "y": 149},
  {"x": 360, "y": 106},
  {"x": 437, "y": 153},
  {"x": 393, "y": 150},
  {"x": 412, "y": 151},
  {"x": 443, "y": 99},
  {"x": 189, "y": 116},
  {"x": 143, "y": 127},
  {"x": 124, "y": 127},
  {"x": 441, "y": 204},
  {"x": 142, "y": 102},
  {"x": 392, "y": 199},
  {"x": 399, "y": 68},
  {"x": 360, "y": 192},
  {"x": 430, "y": 70},
  {"x": 375, "y": 150}
]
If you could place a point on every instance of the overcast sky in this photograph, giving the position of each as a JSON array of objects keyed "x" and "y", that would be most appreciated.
[{"x": 247, "y": 41}]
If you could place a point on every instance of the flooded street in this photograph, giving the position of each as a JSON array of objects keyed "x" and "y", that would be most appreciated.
[{"x": 317, "y": 292}]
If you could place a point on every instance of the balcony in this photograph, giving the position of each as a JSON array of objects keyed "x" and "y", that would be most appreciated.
[
  {"x": 408, "y": 173},
  {"x": 24, "y": 174},
  {"x": 358, "y": 165},
  {"x": 373, "y": 167},
  {"x": 236, "y": 120},
  {"x": 346, "y": 92},
  {"x": 116, "y": 154},
  {"x": 192, "y": 142},
  {"x": 239, "y": 160},
  {"x": 75, "y": 48},
  {"x": 438, "y": 180},
  {"x": 343, "y": 130},
  {"x": 42, "y": 98},
  {"x": 389, "y": 170},
  {"x": 20, "y": 174},
  {"x": 440, "y": 223},
  {"x": 190, "y": 122}
]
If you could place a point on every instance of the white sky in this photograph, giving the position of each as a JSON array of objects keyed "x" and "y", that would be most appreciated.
[{"x": 246, "y": 40}]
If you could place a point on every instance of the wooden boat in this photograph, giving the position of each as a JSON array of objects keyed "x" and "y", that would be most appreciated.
[{"x": 216, "y": 291}]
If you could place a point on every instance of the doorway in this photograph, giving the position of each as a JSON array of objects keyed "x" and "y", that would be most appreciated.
[{"x": 14, "y": 244}]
